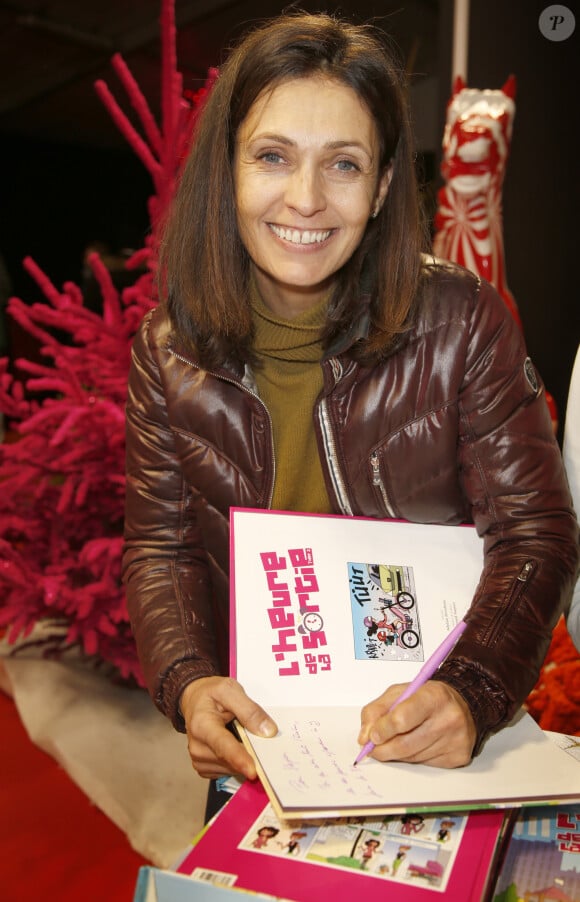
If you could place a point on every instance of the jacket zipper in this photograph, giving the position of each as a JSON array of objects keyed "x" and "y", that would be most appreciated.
[
  {"x": 518, "y": 586},
  {"x": 379, "y": 483},
  {"x": 331, "y": 459},
  {"x": 248, "y": 391}
]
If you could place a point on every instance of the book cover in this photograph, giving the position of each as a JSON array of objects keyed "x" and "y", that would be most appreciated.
[
  {"x": 326, "y": 612},
  {"x": 331, "y": 603},
  {"x": 448, "y": 855},
  {"x": 542, "y": 860},
  {"x": 156, "y": 885}
]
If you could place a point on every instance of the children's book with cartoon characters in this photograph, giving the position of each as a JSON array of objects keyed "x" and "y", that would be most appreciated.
[
  {"x": 328, "y": 611},
  {"x": 542, "y": 860},
  {"x": 406, "y": 857},
  {"x": 542, "y": 856}
]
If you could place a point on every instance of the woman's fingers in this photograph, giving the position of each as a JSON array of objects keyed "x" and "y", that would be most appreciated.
[
  {"x": 434, "y": 726},
  {"x": 208, "y": 705}
]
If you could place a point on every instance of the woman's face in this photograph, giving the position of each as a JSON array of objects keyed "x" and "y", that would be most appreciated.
[{"x": 307, "y": 180}]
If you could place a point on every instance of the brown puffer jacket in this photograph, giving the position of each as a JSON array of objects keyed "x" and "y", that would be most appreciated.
[{"x": 453, "y": 427}]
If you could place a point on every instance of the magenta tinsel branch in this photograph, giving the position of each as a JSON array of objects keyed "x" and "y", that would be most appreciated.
[
  {"x": 112, "y": 313},
  {"x": 171, "y": 87},
  {"x": 133, "y": 138},
  {"x": 62, "y": 480},
  {"x": 44, "y": 283},
  {"x": 188, "y": 115},
  {"x": 138, "y": 102},
  {"x": 62, "y": 498},
  {"x": 23, "y": 315},
  {"x": 139, "y": 258}
]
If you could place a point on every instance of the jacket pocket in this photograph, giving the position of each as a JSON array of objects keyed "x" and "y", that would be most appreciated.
[{"x": 512, "y": 600}]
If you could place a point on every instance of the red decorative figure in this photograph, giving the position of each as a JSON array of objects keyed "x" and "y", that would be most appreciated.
[
  {"x": 476, "y": 141},
  {"x": 469, "y": 220}
]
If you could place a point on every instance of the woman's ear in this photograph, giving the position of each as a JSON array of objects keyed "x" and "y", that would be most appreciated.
[{"x": 382, "y": 190}]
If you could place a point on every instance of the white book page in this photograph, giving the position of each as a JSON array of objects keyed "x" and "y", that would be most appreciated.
[{"x": 309, "y": 769}]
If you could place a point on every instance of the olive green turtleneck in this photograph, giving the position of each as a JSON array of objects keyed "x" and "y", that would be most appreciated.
[{"x": 289, "y": 380}]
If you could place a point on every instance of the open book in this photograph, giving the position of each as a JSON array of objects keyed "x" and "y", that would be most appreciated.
[{"x": 326, "y": 612}]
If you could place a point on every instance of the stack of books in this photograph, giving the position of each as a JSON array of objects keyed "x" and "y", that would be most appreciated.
[{"x": 326, "y": 612}]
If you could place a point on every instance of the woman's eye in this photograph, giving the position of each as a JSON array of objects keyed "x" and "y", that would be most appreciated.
[
  {"x": 270, "y": 156},
  {"x": 347, "y": 166}
]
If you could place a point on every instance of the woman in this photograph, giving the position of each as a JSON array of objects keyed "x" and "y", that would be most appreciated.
[{"x": 309, "y": 358}]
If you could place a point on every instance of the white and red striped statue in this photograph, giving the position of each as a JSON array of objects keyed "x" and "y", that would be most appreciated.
[
  {"x": 476, "y": 141},
  {"x": 469, "y": 220}
]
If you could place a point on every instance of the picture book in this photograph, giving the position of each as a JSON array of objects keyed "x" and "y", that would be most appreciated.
[
  {"x": 326, "y": 612},
  {"x": 449, "y": 854},
  {"x": 542, "y": 859}
]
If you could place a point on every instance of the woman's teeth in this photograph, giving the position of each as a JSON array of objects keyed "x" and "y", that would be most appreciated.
[{"x": 296, "y": 236}]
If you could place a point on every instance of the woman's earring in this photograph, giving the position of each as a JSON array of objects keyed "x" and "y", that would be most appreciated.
[{"x": 375, "y": 212}]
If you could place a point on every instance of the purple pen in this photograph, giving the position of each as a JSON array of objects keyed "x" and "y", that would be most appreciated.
[{"x": 426, "y": 672}]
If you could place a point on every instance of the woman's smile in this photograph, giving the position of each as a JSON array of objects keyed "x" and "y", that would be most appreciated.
[{"x": 300, "y": 237}]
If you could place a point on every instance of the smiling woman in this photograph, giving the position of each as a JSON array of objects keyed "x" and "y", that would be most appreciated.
[
  {"x": 307, "y": 356},
  {"x": 307, "y": 181},
  {"x": 206, "y": 282}
]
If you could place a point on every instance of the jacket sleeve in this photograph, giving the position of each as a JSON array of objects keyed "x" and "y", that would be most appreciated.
[
  {"x": 513, "y": 477},
  {"x": 164, "y": 565}
]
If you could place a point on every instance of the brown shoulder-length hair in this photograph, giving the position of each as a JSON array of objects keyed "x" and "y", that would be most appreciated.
[{"x": 204, "y": 266}]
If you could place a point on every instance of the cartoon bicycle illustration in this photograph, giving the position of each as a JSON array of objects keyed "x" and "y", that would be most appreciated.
[
  {"x": 384, "y": 611},
  {"x": 390, "y": 579},
  {"x": 398, "y": 630}
]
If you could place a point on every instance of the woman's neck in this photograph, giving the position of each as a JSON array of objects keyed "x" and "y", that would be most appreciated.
[{"x": 289, "y": 301}]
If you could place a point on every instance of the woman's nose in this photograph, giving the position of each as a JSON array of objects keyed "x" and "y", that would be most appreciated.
[{"x": 305, "y": 190}]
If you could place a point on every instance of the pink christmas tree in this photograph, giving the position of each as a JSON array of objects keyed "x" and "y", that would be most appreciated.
[{"x": 62, "y": 478}]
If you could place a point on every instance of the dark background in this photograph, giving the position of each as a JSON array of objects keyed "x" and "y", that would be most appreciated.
[{"x": 68, "y": 178}]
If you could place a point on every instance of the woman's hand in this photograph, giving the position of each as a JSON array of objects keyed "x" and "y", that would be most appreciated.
[
  {"x": 207, "y": 705},
  {"x": 434, "y": 726}
]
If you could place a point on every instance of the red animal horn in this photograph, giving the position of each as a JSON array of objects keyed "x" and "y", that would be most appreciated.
[{"x": 509, "y": 89}]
